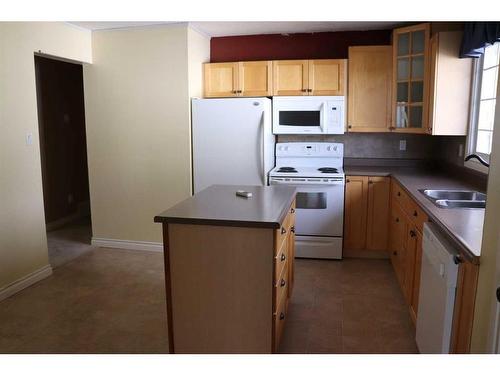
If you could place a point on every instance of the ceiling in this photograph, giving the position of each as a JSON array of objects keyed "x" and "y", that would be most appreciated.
[{"x": 216, "y": 29}]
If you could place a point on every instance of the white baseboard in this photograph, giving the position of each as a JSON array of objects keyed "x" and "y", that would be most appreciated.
[
  {"x": 127, "y": 245},
  {"x": 25, "y": 282}
]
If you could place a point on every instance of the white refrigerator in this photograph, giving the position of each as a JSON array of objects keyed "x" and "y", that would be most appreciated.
[{"x": 233, "y": 142}]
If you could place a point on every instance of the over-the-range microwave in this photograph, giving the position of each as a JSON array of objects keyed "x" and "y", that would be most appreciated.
[{"x": 308, "y": 114}]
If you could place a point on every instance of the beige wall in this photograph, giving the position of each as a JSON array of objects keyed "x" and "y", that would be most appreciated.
[
  {"x": 23, "y": 243},
  {"x": 481, "y": 333},
  {"x": 138, "y": 127}
]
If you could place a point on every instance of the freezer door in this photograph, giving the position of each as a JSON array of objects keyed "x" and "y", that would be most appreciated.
[{"x": 232, "y": 141}]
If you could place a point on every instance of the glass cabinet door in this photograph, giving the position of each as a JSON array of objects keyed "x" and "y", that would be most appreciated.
[{"x": 410, "y": 59}]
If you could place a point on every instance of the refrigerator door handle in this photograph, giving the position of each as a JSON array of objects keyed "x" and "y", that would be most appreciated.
[{"x": 263, "y": 150}]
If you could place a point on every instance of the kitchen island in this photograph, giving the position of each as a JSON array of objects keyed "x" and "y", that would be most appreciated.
[{"x": 229, "y": 269}]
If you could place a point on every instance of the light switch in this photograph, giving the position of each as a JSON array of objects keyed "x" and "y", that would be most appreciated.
[
  {"x": 402, "y": 145},
  {"x": 29, "y": 139}
]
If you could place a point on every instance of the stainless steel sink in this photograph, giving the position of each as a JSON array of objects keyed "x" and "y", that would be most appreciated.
[{"x": 456, "y": 198}]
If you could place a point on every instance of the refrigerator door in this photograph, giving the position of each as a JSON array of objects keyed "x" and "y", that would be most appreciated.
[{"x": 233, "y": 142}]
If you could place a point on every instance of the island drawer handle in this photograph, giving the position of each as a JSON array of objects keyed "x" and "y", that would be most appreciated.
[
  {"x": 283, "y": 257},
  {"x": 283, "y": 230}
]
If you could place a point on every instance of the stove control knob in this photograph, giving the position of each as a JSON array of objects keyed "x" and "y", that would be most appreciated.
[
  {"x": 329, "y": 148},
  {"x": 334, "y": 148},
  {"x": 286, "y": 148}
]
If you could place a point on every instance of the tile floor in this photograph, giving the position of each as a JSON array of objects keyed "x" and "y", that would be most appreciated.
[{"x": 112, "y": 301}]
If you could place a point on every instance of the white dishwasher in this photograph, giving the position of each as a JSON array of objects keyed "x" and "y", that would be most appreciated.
[{"x": 438, "y": 282}]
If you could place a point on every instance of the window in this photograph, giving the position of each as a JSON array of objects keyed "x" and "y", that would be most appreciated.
[{"x": 484, "y": 99}]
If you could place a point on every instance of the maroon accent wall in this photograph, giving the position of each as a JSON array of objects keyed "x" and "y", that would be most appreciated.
[
  {"x": 329, "y": 45},
  {"x": 63, "y": 146}
]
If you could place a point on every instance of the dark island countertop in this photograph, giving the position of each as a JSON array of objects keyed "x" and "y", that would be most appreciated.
[
  {"x": 219, "y": 205},
  {"x": 464, "y": 227}
]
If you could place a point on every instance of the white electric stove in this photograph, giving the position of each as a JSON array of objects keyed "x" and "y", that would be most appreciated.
[{"x": 316, "y": 169}]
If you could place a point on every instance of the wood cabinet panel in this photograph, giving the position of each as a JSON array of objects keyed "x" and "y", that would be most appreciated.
[
  {"x": 378, "y": 213},
  {"x": 221, "y": 80},
  {"x": 255, "y": 78},
  {"x": 409, "y": 263},
  {"x": 326, "y": 77},
  {"x": 290, "y": 77},
  {"x": 356, "y": 204},
  {"x": 370, "y": 87},
  {"x": 397, "y": 245},
  {"x": 416, "y": 278}
]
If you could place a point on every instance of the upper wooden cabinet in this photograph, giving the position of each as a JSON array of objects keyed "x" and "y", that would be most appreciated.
[
  {"x": 410, "y": 78},
  {"x": 369, "y": 93},
  {"x": 326, "y": 77},
  {"x": 291, "y": 77},
  {"x": 309, "y": 77},
  {"x": 247, "y": 78},
  {"x": 450, "y": 85}
]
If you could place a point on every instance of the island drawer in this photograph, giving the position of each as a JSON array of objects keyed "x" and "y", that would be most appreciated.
[
  {"x": 279, "y": 323},
  {"x": 282, "y": 233},
  {"x": 281, "y": 287},
  {"x": 280, "y": 259}
]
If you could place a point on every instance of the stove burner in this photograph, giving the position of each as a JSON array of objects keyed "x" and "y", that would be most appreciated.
[
  {"x": 287, "y": 170},
  {"x": 328, "y": 170}
]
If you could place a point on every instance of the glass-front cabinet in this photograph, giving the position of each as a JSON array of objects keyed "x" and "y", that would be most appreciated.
[{"x": 410, "y": 78}]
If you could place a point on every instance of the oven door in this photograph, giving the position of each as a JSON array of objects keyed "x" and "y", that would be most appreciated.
[
  {"x": 319, "y": 209},
  {"x": 299, "y": 116}
]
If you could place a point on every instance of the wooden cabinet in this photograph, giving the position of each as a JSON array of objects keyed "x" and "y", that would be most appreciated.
[
  {"x": 326, "y": 77},
  {"x": 410, "y": 78},
  {"x": 356, "y": 205},
  {"x": 406, "y": 225},
  {"x": 450, "y": 85},
  {"x": 291, "y": 77},
  {"x": 247, "y": 78},
  {"x": 366, "y": 213},
  {"x": 378, "y": 213},
  {"x": 369, "y": 93},
  {"x": 309, "y": 77}
]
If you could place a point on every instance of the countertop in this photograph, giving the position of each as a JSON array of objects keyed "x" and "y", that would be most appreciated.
[
  {"x": 464, "y": 227},
  {"x": 219, "y": 205}
]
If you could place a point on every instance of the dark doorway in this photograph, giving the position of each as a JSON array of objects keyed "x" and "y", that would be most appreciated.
[{"x": 63, "y": 150}]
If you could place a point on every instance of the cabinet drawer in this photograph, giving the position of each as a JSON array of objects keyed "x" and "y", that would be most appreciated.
[
  {"x": 417, "y": 215},
  {"x": 399, "y": 195},
  {"x": 280, "y": 259},
  {"x": 279, "y": 323},
  {"x": 281, "y": 234},
  {"x": 281, "y": 286}
]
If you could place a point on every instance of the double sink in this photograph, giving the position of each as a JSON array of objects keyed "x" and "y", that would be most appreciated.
[{"x": 455, "y": 198}]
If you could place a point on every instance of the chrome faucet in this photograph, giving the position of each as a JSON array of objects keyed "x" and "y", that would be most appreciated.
[{"x": 479, "y": 158}]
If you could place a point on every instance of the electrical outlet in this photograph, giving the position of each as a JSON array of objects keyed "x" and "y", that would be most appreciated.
[{"x": 402, "y": 145}]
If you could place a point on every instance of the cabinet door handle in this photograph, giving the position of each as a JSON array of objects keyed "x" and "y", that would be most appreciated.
[
  {"x": 283, "y": 230},
  {"x": 397, "y": 220},
  {"x": 498, "y": 294},
  {"x": 292, "y": 210},
  {"x": 457, "y": 259},
  {"x": 282, "y": 283},
  {"x": 399, "y": 193},
  {"x": 282, "y": 316},
  {"x": 370, "y": 182},
  {"x": 415, "y": 213},
  {"x": 348, "y": 180},
  {"x": 412, "y": 233},
  {"x": 283, "y": 257},
  {"x": 349, "y": 126},
  {"x": 395, "y": 253},
  {"x": 304, "y": 90},
  {"x": 309, "y": 90},
  {"x": 292, "y": 229}
]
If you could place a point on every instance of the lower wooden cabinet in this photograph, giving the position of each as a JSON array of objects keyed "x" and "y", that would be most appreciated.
[
  {"x": 366, "y": 213},
  {"x": 406, "y": 244}
]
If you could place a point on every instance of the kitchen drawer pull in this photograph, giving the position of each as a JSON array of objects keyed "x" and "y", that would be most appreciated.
[
  {"x": 283, "y": 230},
  {"x": 347, "y": 180},
  {"x": 397, "y": 220},
  {"x": 370, "y": 182},
  {"x": 304, "y": 90},
  {"x": 282, "y": 282},
  {"x": 283, "y": 257},
  {"x": 282, "y": 316},
  {"x": 309, "y": 90},
  {"x": 399, "y": 193},
  {"x": 292, "y": 229},
  {"x": 415, "y": 213},
  {"x": 395, "y": 253},
  {"x": 412, "y": 233}
]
